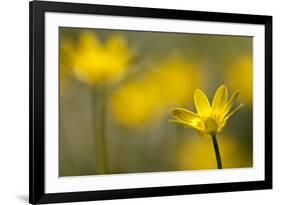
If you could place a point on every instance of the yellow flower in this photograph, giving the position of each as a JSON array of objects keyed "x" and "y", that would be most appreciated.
[
  {"x": 175, "y": 78},
  {"x": 134, "y": 104},
  {"x": 209, "y": 120},
  {"x": 95, "y": 62},
  {"x": 147, "y": 98}
]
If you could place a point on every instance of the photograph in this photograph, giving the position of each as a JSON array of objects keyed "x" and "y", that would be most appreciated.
[{"x": 145, "y": 101}]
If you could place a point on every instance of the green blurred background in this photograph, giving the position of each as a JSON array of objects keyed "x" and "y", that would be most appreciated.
[{"x": 163, "y": 72}]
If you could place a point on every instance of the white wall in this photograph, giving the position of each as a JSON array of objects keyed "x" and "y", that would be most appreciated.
[{"x": 14, "y": 100}]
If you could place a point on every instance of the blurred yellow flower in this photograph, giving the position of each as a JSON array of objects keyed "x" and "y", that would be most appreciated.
[
  {"x": 209, "y": 120},
  {"x": 149, "y": 97},
  {"x": 194, "y": 153},
  {"x": 134, "y": 104},
  {"x": 175, "y": 79},
  {"x": 240, "y": 76},
  {"x": 95, "y": 62}
]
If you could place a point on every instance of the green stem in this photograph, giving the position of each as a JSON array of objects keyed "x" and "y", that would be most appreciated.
[
  {"x": 99, "y": 96},
  {"x": 217, "y": 151}
]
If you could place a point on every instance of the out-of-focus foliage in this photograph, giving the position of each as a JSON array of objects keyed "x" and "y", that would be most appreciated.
[{"x": 145, "y": 75}]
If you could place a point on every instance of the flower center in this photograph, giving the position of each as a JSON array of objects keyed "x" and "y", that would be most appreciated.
[{"x": 211, "y": 126}]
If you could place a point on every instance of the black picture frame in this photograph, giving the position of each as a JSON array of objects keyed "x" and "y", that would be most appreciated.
[{"x": 37, "y": 194}]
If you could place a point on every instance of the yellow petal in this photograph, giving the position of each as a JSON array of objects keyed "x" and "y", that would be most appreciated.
[
  {"x": 230, "y": 103},
  {"x": 185, "y": 115},
  {"x": 116, "y": 43},
  {"x": 202, "y": 103},
  {"x": 220, "y": 99},
  {"x": 198, "y": 128},
  {"x": 234, "y": 111},
  {"x": 88, "y": 41},
  {"x": 118, "y": 54}
]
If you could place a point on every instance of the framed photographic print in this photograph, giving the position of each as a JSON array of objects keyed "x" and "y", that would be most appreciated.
[{"x": 140, "y": 102}]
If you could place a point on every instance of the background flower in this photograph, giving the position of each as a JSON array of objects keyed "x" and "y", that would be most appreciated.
[
  {"x": 96, "y": 62},
  {"x": 147, "y": 98}
]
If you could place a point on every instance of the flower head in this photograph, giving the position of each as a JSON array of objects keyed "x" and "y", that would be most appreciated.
[
  {"x": 149, "y": 96},
  {"x": 95, "y": 62},
  {"x": 209, "y": 120}
]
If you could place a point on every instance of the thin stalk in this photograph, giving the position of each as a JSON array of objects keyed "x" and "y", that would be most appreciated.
[
  {"x": 217, "y": 151},
  {"x": 99, "y": 98}
]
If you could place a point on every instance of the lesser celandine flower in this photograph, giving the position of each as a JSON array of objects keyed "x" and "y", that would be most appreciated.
[
  {"x": 175, "y": 78},
  {"x": 209, "y": 120},
  {"x": 134, "y": 104},
  {"x": 139, "y": 102},
  {"x": 96, "y": 62}
]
